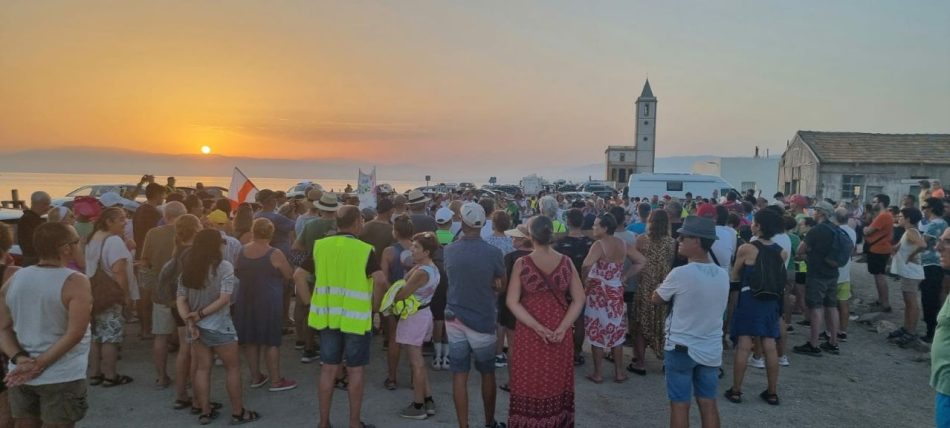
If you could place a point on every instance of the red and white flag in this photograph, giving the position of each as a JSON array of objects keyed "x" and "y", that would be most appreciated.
[{"x": 241, "y": 190}]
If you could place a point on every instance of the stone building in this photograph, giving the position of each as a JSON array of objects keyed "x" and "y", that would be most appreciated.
[
  {"x": 845, "y": 165},
  {"x": 622, "y": 161}
]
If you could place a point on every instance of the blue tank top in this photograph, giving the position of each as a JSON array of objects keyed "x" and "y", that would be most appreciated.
[{"x": 396, "y": 270}]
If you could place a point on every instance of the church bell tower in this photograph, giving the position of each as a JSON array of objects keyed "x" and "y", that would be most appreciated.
[{"x": 646, "y": 130}]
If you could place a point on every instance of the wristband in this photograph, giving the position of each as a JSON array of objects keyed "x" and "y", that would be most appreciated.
[{"x": 19, "y": 354}]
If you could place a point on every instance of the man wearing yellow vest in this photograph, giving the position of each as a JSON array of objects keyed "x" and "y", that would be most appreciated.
[{"x": 349, "y": 284}]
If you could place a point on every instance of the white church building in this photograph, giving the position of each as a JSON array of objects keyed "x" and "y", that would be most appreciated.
[{"x": 624, "y": 161}]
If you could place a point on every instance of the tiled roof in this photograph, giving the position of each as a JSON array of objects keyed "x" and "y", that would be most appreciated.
[{"x": 862, "y": 147}]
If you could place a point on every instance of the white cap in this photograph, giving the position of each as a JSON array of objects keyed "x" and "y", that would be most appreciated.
[
  {"x": 111, "y": 199},
  {"x": 443, "y": 215},
  {"x": 473, "y": 214}
]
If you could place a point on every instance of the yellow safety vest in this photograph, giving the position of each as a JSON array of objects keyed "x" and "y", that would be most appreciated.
[
  {"x": 558, "y": 227},
  {"x": 343, "y": 295}
]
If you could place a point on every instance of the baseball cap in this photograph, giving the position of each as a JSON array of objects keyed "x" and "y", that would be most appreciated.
[
  {"x": 706, "y": 210},
  {"x": 473, "y": 214},
  {"x": 111, "y": 199},
  {"x": 799, "y": 200},
  {"x": 825, "y": 207},
  {"x": 443, "y": 215},
  {"x": 218, "y": 217}
]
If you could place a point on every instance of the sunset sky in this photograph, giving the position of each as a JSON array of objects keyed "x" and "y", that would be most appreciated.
[{"x": 522, "y": 84}]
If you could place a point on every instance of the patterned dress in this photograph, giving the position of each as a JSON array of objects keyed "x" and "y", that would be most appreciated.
[
  {"x": 650, "y": 319},
  {"x": 542, "y": 374},
  {"x": 605, "y": 316}
]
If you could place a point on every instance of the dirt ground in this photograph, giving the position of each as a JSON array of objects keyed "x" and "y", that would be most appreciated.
[{"x": 872, "y": 383}]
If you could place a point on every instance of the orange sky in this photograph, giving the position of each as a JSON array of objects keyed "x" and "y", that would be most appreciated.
[{"x": 489, "y": 83}]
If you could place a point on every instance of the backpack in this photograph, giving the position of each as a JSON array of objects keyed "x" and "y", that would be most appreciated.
[
  {"x": 166, "y": 289},
  {"x": 768, "y": 280},
  {"x": 841, "y": 248}
]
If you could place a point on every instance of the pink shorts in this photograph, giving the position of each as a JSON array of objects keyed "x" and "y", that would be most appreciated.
[{"x": 415, "y": 330}]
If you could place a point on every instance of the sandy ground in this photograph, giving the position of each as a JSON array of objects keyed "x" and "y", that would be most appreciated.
[{"x": 872, "y": 383}]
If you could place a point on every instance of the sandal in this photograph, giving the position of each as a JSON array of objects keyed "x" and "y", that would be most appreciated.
[
  {"x": 633, "y": 369},
  {"x": 96, "y": 380},
  {"x": 389, "y": 384},
  {"x": 197, "y": 410},
  {"x": 342, "y": 383},
  {"x": 245, "y": 417},
  {"x": 119, "y": 380},
  {"x": 505, "y": 387},
  {"x": 772, "y": 399},
  {"x": 733, "y": 396},
  {"x": 181, "y": 404},
  {"x": 161, "y": 384},
  {"x": 206, "y": 418}
]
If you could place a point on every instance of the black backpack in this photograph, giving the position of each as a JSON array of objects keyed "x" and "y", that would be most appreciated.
[{"x": 768, "y": 280}]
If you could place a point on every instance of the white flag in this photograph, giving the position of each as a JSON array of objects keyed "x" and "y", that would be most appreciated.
[
  {"x": 241, "y": 190},
  {"x": 365, "y": 189}
]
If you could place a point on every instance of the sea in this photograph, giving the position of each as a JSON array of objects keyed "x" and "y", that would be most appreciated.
[{"x": 58, "y": 185}]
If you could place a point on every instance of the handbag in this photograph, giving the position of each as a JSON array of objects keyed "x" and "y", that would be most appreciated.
[{"x": 106, "y": 291}]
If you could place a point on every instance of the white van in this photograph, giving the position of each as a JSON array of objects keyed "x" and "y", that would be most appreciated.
[{"x": 676, "y": 185}]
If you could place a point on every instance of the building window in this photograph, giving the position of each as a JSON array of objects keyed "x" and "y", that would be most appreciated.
[
  {"x": 746, "y": 185},
  {"x": 646, "y": 122},
  {"x": 623, "y": 157},
  {"x": 674, "y": 186},
  {"x": 644, "y": 138},
  {"x": 788, "y": 188},
  {"x": 851, "y": 186},
  {"x": 646, "y": 110},
  {"x": 872, "y": 191}
]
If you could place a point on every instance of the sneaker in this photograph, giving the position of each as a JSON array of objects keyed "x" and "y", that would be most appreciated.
[
  {"x": 842, "y": 337},
  {"x": 783, "y": 361},
  {"x": 436, "y": 363},
  {"x": 298, "y": 345},
  {"x": 413, "y": 412},
  {"x": 823, "y": 336},
  {"x": 445, "y": 362},
  {"x": 807, "y": 349},
  {"x": 309, "y": 356},
  {"x": 496, "y": 424},
  {"x": 430, "y": 407},
  {"x": 897, "y": 334},
  {"x": 283, "y": 385},
  {"x": 829, "y": 348},
  {"x": 789, "y": 328},
  {"x": 906, "y": 340},
  {"x": 501, "y": 360},
  {"x": 758, "y": 363},
  {"x": 261, "y": 383}
]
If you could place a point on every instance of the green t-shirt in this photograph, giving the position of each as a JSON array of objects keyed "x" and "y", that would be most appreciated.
[
  {"x": 444, "y": 236},
  {"x": 940, "y": 352}
]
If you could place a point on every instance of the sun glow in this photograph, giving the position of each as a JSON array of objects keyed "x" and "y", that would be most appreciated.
[{"x": 205, "y": 150}]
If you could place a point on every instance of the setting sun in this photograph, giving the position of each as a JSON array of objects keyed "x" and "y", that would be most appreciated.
[{"x": 205, "y": 150}]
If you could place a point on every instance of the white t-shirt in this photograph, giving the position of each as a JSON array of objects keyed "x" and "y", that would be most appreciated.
[
  {"x": 113, "y": 251},
  {"x": 725, "y": 247},
  {"x": 844, "y": 272},
  {"x": 699, "y": 292}
]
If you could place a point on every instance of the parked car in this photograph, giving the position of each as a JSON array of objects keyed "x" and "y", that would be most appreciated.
[
  {"x": 95, "y": 190},
  {"x": 300, "y": 189},
  {"x": 216, "y": 191}
]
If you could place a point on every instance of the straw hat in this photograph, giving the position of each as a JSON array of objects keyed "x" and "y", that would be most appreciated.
[{"x": 328, "y": 202}]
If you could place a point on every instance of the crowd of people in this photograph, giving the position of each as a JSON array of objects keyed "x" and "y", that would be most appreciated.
[{"x": 503, "y": 281}]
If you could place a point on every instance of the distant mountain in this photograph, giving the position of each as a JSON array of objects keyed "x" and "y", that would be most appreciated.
[{"x": 97, "y": 160}]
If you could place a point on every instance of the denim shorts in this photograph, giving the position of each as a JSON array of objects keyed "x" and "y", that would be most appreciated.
[
  {"x": 333, "y": 344},
  {"x": 942, "y": 411},
  {"x": 465, "y": 342},
  {"x": 685, "y": 377},
  {"x": 211, "y": 338}
]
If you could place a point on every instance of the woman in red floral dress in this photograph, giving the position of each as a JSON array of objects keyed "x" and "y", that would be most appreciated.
[
  {"x": 605, "y": 316},
  {"x": 542, "y": 355}
]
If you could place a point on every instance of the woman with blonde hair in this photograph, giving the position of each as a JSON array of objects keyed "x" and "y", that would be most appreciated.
[{"x": 262, "y": 271}]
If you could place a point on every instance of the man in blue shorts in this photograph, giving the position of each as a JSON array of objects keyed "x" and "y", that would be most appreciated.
[
  {"x": 475, "y": 270},
  {"x": 697, "y": 293}
]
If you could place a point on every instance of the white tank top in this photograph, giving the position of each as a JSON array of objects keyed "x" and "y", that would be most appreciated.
[
  {"x": 35, "y": 299},
  {"x": 902, "y": 264}
]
